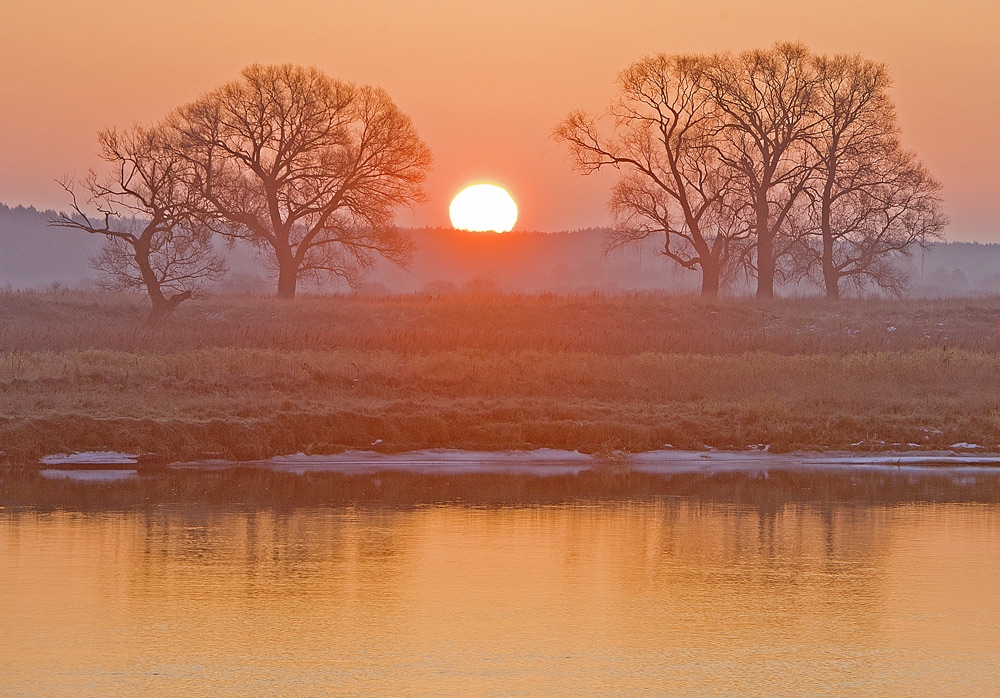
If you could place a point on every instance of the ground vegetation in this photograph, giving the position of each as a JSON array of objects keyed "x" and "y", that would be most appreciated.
[{"x": 252, "y": 377}]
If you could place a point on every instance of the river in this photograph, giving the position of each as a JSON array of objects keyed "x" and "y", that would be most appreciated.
[{"x": 661, "y": 595}]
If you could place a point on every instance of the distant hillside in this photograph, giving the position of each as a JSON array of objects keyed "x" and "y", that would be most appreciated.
[
  {"x": 956, "y": 269},
  {"x": 34, "y": 255}
]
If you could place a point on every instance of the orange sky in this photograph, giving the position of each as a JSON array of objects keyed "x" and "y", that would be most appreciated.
[{"x": 484, "y": 82}]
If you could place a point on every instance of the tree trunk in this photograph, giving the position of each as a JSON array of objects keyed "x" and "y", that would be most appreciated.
[
  {"x": 765, "y": 275},
  {"x": 709, "y": 279},
  {"x": 288, "y": 276},
  {"x": 162, "y": 307},
  {"x": 765, "y": 252},
  {"x": 830, "y": 276},
  {"x": 765, "y": 265}
]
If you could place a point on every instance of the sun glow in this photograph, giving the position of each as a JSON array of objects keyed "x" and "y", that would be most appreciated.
[{"x": 483, "y": 208}]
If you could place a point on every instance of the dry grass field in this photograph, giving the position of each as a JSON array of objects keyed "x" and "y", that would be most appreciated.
[{"x": 245, "y": 377}]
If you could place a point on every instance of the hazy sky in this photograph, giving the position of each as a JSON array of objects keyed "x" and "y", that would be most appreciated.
[{"x": 485, "y": 82}]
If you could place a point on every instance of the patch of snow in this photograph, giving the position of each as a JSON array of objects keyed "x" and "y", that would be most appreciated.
[
  {"x": 553, "y": 462},
  {"x": 543, "y": 461},
  {"x": 890, "y": 328},
  {"x": 90, "y": 475},
  {"x": 965, "y": 445},
  {"x": 91, "y": 458}
]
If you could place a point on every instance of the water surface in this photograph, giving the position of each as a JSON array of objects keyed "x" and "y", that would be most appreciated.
[{"x": 669, "y": 596}]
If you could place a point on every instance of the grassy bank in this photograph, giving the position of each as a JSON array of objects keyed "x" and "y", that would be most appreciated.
[{"x": 250, "y": 378}]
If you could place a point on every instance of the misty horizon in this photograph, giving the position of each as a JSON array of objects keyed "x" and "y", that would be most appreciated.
[{"x": 40, "y": 256}]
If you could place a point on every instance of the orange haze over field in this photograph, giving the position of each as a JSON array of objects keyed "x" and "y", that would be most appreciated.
[{"x": 485, "y": 83}]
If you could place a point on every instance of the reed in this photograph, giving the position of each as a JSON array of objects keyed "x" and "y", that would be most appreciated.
[{"x": 630, "y": 323}]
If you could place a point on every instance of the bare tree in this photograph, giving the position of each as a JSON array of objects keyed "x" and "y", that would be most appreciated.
[
  {"x": 879, "y": 213},
  {"x": 306, "y": 168},
  {"x": 673, "y": 185},
  {"x": 870, "y": 201},
  {"x": 156, "y": 240},
  {"x": 766, "y": 98}
]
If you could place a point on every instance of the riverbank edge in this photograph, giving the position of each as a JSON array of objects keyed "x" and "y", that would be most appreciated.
[{"x": 544, "y": 461}]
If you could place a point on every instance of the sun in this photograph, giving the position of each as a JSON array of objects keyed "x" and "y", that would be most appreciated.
[{"x": 483, "y": 208}]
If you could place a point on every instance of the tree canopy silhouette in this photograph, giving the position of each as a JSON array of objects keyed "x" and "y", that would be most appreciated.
[
  {"x": 778, "y": 162},
  {"x": 157, "y": 239},
  {"x": 869, "y": 198},
  {"x": 306, "y": 168},
  {"x": 672, "y": 183}
]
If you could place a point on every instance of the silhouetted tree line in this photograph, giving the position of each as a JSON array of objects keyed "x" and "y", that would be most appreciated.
[
  {"x": 780, "y": 164},
  {"x": 306, "y": 168},
  {"x": 777, "y": 164}
]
